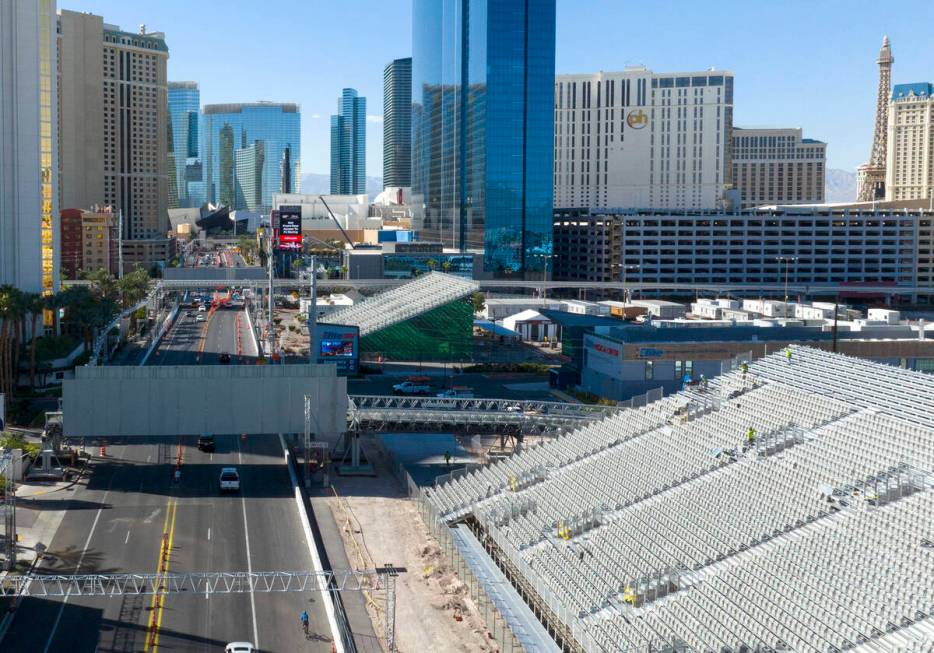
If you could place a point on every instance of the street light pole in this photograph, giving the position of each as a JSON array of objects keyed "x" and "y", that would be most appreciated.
[
  {"x": 313, "y": 313},
  {"x": 787, "y": 260},
  {"x": 627, "y": 294},
  {"x": 270, "y": 327}
]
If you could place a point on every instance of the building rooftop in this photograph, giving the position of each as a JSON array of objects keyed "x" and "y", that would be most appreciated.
[
  {"x": 908, "y": 207},
  {"x": 718, "y": 331},
  {"x": 566, "y": 319},
  {"x": 919, "y": 90},
  {"x": 238, "y": 107}
]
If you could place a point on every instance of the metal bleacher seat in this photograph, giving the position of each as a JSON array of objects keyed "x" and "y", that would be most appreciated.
[{"x": 661, "y": 534}]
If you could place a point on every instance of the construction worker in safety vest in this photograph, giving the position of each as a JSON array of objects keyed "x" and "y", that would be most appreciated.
[
  {"x": 750, "y": 437},
  {"x": 788, "y": 353},
  {"x": 745, "y": 368},
  {"x": 629, "y": 596}
]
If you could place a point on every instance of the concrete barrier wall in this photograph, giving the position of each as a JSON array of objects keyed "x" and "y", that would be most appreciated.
[{"x": 191, "y": 400}]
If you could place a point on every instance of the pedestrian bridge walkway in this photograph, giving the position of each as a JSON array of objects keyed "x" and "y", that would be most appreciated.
[{"x": 378, "y": 412}]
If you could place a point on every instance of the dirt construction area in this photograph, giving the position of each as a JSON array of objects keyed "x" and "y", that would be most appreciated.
[{"x": 379, "y": 525}]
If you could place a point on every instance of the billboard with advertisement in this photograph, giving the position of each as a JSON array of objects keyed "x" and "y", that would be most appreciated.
[
  {"x": 339, "y": 344},
  {"x": 290, "y": 227}
]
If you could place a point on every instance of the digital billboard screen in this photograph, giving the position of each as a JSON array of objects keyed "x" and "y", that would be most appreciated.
[
  {"x": 339, "y": 345},
  {"x": 290, "y": 227}
]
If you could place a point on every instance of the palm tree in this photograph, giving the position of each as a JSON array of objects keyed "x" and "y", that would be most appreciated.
[
  {"x": 446, "y": 265},
  {"x": 22, "y": 310},
  {"x": 35, "y": 305},
  {"x": 11, "y": 313},
  {"x": 6, "y": 311}
]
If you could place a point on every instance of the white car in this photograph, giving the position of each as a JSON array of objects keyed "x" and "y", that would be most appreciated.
[
  {"x": 202, "y": 308},
  {"x": 455, "y": 394},
  {"x": 230, "y": 480},
  {"x": 239, "y": 647},
  {"x": 200, "y": 318}
]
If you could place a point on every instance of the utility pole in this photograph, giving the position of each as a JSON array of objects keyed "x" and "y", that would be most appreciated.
[
  {"x": 270, "y": 327},
  {"x": 119, "y": 244},
  {"x": 313, "y": 313},
  {"x": 787, "y": 260},
  {"x": 836, "y": 308}
]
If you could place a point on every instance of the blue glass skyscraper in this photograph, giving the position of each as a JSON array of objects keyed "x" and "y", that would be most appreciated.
[
  {"x": 184, "y": 114},
  {"x": 228, "y": 128},
  {"x": 348, "y": 145},
  {"x": 483, "y": 75}
]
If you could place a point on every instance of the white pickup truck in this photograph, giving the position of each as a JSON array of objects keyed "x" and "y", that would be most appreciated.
[
  {"x": 230, "y": 480},
  {"x": 410, "y": 388},
  {"x": 455, "y": 393}
]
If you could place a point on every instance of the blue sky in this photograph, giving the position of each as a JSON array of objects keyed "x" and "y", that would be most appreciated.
[{"x": 798, "y": 63}]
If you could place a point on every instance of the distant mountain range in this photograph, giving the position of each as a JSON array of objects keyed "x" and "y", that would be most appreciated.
[
  {"x": 318, "y": 184},
  {"x": 840, "y": 186}
]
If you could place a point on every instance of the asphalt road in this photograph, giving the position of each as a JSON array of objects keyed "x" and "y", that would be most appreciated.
[
  {"x": 116, "y": 524},
  {"x": 117, "y": 521},
  {"x": 190, "y": 342}
]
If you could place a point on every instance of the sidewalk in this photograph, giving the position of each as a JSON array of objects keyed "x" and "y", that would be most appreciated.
[{"x": 40, "y": 508}]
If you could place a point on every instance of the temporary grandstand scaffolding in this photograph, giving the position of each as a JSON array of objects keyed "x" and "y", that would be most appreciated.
[
  {"x": 425, "y": 319},
  {"x": 784, "y": 508},
  {"x": 403, "y": 302}
]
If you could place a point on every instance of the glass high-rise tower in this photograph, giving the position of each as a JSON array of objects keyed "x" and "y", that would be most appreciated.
[
  {"x": 348, "y": 145},
  {"x": 184, "y": 114},
  {"x": 483, "y": 74},
  {"x": 29, "y": 237},
  {"x": 397, "y": 123},
  {"x": 229, "y": 128}
]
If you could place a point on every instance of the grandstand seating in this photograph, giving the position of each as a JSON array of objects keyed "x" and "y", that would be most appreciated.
[
  {"x": 651, "y": 531},
  {"x": 405, "y": 301}
]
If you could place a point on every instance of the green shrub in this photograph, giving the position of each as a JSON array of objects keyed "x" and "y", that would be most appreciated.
[
  {"x": 514, "y": 368},
  {"x": 17, "y": 441}
]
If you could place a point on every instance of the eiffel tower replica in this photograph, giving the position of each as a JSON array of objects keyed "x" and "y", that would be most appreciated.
[{"x": 870, "y": 177}]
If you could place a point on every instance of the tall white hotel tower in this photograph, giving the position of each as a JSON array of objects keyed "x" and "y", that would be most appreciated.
[{"x": 638, "y": 139}]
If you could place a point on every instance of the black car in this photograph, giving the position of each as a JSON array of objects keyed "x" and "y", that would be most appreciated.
[
  {"x": 206, "y": 443},
  {"x": 225, "y": 358}
]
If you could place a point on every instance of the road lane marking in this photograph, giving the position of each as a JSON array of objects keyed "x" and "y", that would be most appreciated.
[
  {"x": 152, "y": 515},
  {"x": 127, "y": 537},
  {"x": 87, "y": 543},
  {"x": 209, "y": 534},
  {"x": 246, "y": 537},
  {"x": 152, "y": 603},
  {"x": 159, "y": 596},
  {"x": 168, "y": 557}
]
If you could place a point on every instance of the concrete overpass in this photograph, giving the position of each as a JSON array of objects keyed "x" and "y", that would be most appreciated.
[{"x": 770, "y": 289}]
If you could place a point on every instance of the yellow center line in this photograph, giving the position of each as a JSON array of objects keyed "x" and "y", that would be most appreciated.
[
  {"x": 158, "y": 598},
  {"x": 204, "y": 334}
]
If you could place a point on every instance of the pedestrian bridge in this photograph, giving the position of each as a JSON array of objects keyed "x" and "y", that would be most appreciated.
[
  {"x": 195, "y": 399},
  {"x": 381, "y": 413}
]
